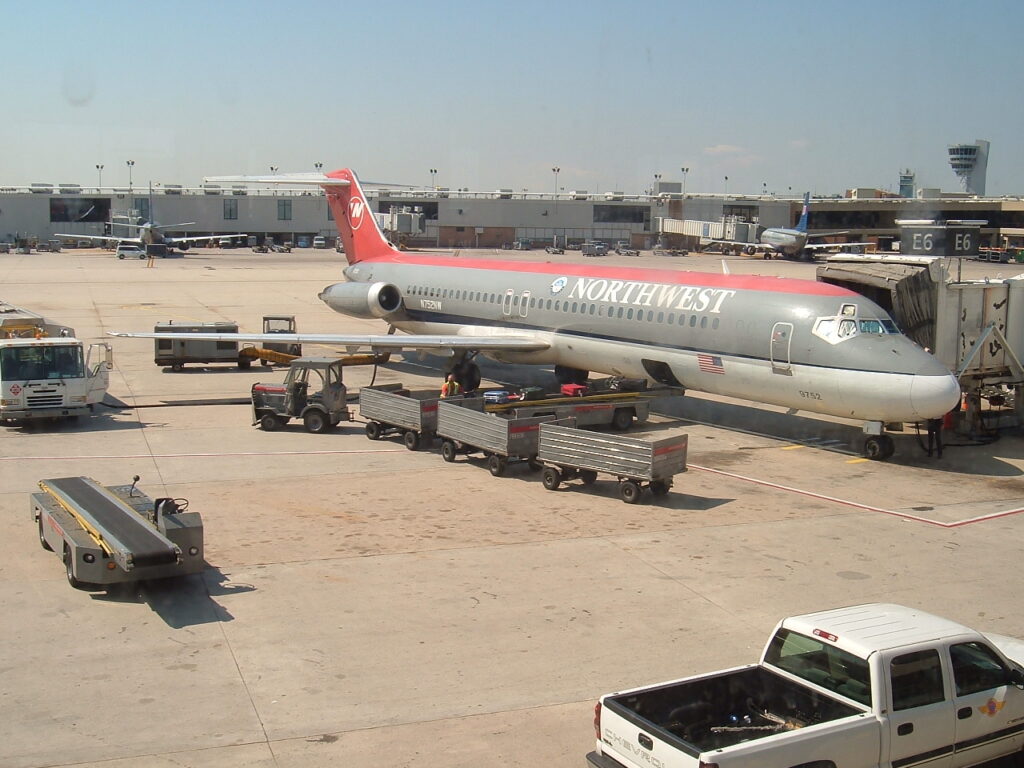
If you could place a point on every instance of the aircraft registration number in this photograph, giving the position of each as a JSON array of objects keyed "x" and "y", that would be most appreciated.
[{"x": 810, "y": 395}]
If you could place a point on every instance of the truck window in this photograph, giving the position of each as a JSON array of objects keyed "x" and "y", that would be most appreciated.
[
  {"x": 816, "y": 662},
  {"x": 916, "y": 679},
  {"x": 976, "y": 668}
]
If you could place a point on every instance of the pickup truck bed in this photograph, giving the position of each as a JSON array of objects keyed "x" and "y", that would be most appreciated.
[{"x": 735, "y": 706}]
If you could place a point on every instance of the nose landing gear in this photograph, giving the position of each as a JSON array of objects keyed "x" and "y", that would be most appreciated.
[{"x": 879, "y": 447}]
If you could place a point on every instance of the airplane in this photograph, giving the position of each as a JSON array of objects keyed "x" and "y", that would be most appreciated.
[
  {"x": 800, "y": 344},
  {"x": 149, "y": 234},
  {"x": 791, "y": 242}
]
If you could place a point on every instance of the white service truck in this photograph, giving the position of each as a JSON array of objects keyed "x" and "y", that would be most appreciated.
[
  {"x": 859, "y": 687},
  {"x": 45, "y": 372}
]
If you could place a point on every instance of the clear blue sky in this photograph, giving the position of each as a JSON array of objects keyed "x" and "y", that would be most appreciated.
[{"x": 815, "y": 95}]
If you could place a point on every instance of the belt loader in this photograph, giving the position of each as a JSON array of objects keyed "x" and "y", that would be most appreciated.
[{"x": 114, "y": 534}]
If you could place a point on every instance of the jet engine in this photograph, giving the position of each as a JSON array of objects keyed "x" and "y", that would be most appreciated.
[
  {"x": 382, "y": 300},
  {"x": 184, "y": 246}
]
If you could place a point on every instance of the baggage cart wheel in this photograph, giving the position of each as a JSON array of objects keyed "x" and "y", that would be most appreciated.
[
  {"x": 374, "y": 430},
  {"x": 551, "y": 478},
  {"x": 622, "y": 419},
  {"x": 42, "y": 539},
  {"x": 660, "y": 487},
  {"x": 497, "y": 464},
  {"x": 266, "y": 363},
  {"x": 534, "y": 464},
  {"x": 629, "y": 491},
  {"x": 588, "y": 476},
  {"x": 448, "y": 451},
  {"x": 269, "y": 422},
  {"x": 411, "y": 440},
  {"x": 315, "y": 422}
]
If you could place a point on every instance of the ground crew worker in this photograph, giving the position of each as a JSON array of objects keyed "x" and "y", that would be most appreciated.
[{"x": 451, "y": 387}]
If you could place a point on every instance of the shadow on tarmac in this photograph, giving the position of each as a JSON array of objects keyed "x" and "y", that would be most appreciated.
[{"x": 181, "y": 601}]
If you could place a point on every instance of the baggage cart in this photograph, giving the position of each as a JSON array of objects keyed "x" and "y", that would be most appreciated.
[
  {"x": 390, "y": 409},
  {"x": 568, "y": 453},
  {"x": 464, "y": 427}
]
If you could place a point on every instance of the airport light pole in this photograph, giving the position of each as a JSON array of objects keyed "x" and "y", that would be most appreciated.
[
  {"x": 130, "y": 164},
  {"x": 556, "y": 171},
  {"x": 685, "y": 171},
  {"x": 273, "y": 169},
  {"x": 99, "y": 169},
  {"x": 319, "y": 167},
  {"x": 657, "y": 180},
  {"x": 727, "y": 185},
  {"x": 433, "y": 178}
]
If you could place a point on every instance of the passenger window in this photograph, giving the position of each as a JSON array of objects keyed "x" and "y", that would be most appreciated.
[
  {"x": 976, "y": 668},
  {"x": 704, "y": 322},
  {"x": 629, "y": 314},
  {"x": 714, "y": 324},
  {"x": 916, "y": 680},
  {"x": 661, "y": 317},
  {"x": 693, "y": 321}
]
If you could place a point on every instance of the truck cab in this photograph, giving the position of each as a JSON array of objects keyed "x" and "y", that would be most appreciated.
[{"x": 48, "y": 378}]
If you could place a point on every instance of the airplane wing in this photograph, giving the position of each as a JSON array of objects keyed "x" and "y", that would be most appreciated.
[
  {"x": 104, "y": 238},
  {"x": 496, "y": 342},
  {"x": 833, "y": 246},
  {"x": 196, "y": 239}
]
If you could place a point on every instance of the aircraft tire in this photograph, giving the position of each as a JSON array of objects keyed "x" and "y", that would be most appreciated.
[
  {"x": 468, "y": 375},
  {"x": 879, "y": 447}
]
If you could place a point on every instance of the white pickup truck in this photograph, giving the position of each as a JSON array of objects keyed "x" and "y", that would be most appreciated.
[{"x": 859, "y": 687}]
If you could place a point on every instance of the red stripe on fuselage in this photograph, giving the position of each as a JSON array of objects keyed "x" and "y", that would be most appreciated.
[{"x": 625, "y": 274}]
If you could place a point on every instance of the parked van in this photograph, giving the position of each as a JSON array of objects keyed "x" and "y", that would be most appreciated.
[{"x": 319, "y": 241}]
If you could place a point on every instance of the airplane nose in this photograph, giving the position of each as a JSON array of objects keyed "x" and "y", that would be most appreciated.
[{"x": 934, "y": 396}]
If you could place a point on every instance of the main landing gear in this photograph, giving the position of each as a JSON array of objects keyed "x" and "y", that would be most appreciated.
[
  {"x": 879, "y": 447},
  {"x": 467, "y": 372}
]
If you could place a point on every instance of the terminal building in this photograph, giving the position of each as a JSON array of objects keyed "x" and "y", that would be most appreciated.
[{"x": 442, "y": 218}]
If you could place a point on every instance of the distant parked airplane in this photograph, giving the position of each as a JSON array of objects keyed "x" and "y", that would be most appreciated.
[{"x": 791, "y": 243}]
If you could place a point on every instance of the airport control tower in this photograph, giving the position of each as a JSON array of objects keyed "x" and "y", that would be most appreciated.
[{"x": 969, "y": 163}]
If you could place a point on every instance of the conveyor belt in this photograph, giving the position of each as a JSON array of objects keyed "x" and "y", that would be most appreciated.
[{"x": 133, "y": 541}]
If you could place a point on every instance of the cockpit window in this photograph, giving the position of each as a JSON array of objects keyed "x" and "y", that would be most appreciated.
[{"x": 837, "y": 329}]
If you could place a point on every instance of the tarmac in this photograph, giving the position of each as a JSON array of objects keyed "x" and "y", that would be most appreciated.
[{"x": 366, "y": 605}]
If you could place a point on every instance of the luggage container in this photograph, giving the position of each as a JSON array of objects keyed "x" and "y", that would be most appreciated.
[
  {"x": 177, "y": 352},
  {"x": 391, "y": 409},
  {"x": 568, "y": 453},
  {"x": 464, "y": 427}
]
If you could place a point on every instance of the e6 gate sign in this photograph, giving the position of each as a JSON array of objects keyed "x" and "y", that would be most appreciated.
[{"x": 949, "y": 240}]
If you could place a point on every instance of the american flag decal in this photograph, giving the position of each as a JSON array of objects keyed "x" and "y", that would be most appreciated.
[{"x": 710, "y": 364}]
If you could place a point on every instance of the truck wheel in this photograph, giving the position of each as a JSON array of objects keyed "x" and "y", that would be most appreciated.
[
  {"x": 315, "y": 422},
  {"x": 244, "y": 363},
  {"x": 374, "y": 430},
  {"x": 120, "y": 256},
  {"x": 270, "y": 423},
  {"x": 588, "y": 476},
  {"x": 42, "y": 538},
  {"x": 660, "y": 487},
  {"x": 448, "y": 451},
  {"x": 629, "y": 491},
  {"x": 622, "y": 419},
  {"x": 496, "y": 465},
  {"x": 551, "y": 478},
  {"x": 411, "y": 440},
  {"x": 266, "y": 363}
]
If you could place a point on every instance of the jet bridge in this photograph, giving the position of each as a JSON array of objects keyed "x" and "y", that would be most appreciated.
[{"x": 116, "y": 533}]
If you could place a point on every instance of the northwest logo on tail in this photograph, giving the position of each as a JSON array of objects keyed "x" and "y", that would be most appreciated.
[{"x": 356, "y": 209}]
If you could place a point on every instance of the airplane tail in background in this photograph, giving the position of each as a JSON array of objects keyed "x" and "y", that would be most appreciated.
[
  {"x": 357, "y": 225},
  {"x": 801, "y": 225}
]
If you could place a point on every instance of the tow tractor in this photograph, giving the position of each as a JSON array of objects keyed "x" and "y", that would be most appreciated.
[
  {"x": 312, "y": 391},
  {"x": 114, "y": 534},
  {"x": 285, "y": 350}
]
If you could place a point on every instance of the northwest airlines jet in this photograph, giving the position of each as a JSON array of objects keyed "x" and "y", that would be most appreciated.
[{"x": 799, "y": 344}]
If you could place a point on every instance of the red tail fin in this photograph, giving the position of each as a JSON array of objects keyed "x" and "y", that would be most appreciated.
[{"x": 354, "y": 218}]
